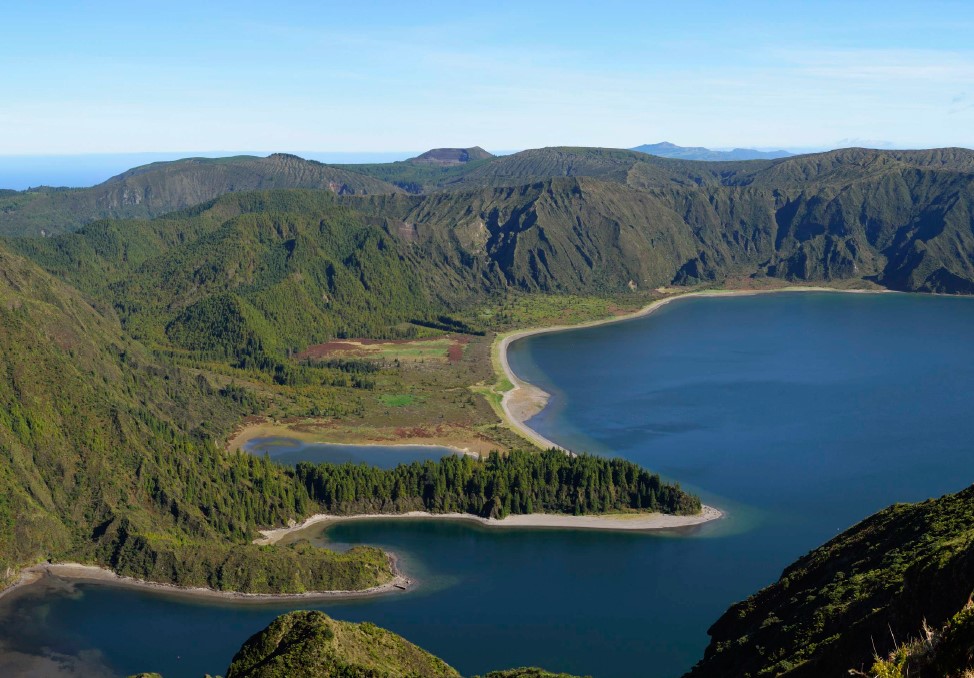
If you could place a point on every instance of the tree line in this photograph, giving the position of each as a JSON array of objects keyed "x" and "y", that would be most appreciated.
[{"x": 518, "y": 483}]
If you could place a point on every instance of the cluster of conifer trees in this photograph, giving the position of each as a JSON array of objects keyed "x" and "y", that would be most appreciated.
[{"x": 520, "y": 482}]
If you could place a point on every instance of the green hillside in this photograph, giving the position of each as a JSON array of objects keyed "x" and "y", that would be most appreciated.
[
  {"x": 640, "y": 170},
  {"x": 312, "y": 645},
  {"x": 163, "y": 187},
  {"x": 111, "y": 453},
  {"x": 107, "y": 456},
  {"x": 279, "y": 270},
  {"x": 933, "y": 652},
  {"x": 451, "y": 156},
  {"x": 605, "y": 220},
  {"x": 904, "y": 227},
  {"x": 246, "y": 275},
  {"x": 868, "y": 591},
  {"x": 434, "y": 169}
]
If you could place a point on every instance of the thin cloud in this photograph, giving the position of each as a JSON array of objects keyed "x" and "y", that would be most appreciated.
[{"x": 884, "y": 65}]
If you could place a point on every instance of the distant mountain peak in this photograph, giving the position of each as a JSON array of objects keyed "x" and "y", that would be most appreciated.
[
  {"x": 452, "y": 156},
  {"x": 665, "y": 149},
  {"x": 287, "y": 157}
]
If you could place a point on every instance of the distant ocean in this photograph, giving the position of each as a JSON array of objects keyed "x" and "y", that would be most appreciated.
[{"x": 20, "y": 172}]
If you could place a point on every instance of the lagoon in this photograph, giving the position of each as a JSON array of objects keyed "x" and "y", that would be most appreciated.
[
  {"x": 291, "y": 451},
  {"x": 798, "y": 414}
]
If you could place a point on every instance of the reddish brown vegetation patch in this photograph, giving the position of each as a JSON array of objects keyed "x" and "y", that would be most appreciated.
[
  {"x": 454, "y": 354},
  {"x": 405, "y": 433}
]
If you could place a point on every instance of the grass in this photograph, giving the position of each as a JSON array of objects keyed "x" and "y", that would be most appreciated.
[
  {"x": 940, "y": 651},
  {"x": 428, "y": 349},
  {"x": 417, "y": 401},
  {"x": 518, "y": 311},
  {"x": 420, "y": 350},
  {"x": 397, "y": 399}
]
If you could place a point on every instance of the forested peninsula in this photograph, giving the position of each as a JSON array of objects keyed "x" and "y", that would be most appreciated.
[
  {"x": 887, "y": 598},
  {"x": 111, "y": 458}
]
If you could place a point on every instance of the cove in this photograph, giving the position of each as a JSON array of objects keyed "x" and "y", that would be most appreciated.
[
  {"x": 799, "y": 414},
  {"x": 292, "y": 451}
]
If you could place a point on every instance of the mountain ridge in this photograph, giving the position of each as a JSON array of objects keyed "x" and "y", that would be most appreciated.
[
  {"x": 451, "y": 156},
  {"x": 161, "y": 187},
  {"x": 666, "y": 149},
  {"x": 158, "y": 188}
]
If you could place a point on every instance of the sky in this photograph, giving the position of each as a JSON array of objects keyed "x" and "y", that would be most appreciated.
[{"x": 368, "y": 77}]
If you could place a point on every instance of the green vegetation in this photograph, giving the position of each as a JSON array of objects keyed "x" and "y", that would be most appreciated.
[
  {"x": 431, "y": 170},
  {"x": 863, "y": 592},
  {"x": 109, "y": 451},
  {"x": 516, "y": 310},
  {"x": 246, "y": 568},
  {"x": 397, "y": 399},
  {"x": 603, "y": 221},
  {"x": 107, "y": 456},
  {"x": 162, "y": 187},
  {"x": 130, "y": 349},
  {"x": 594, "y": 221},
  {"x": 946, "y": 651},
  {"x": 248, "y": 280},
  {"x": 520, "y": 482},
  {"x": 312, "y": 645}
]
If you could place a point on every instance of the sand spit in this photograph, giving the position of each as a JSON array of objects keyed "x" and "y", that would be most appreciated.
[
  {"x": 78, "y": 572},
  {"x": 609, "y": 521}
]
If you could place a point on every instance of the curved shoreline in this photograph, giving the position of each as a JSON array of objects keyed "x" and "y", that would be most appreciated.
[
  {"x": 626, "y": 522},
  {"x": 78, "y": 572},
  {"x": 640, "y": 522},
  {"x": 518, "y": 404},
  {"x": 525, "y": 400}
]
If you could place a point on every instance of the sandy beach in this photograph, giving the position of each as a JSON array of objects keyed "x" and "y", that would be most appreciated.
[
  {"x": 525, "y": 400},
  {"x": 610, "y": 521},
  {"x": 91, "y": 573},
  {"x": 518, "y": 404},
  {"x": 618, "y": 521}
]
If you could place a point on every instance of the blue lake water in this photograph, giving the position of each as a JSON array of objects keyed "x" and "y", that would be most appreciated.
[
  {"x": 291, "y": 451},
  {"x": 797, "y": 413}
]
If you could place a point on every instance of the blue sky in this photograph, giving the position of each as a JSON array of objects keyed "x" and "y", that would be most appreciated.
[{"x": 105, "y": 77}]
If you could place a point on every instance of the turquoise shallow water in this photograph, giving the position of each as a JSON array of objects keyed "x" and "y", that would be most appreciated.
[{"x": 798, "y": 413}]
